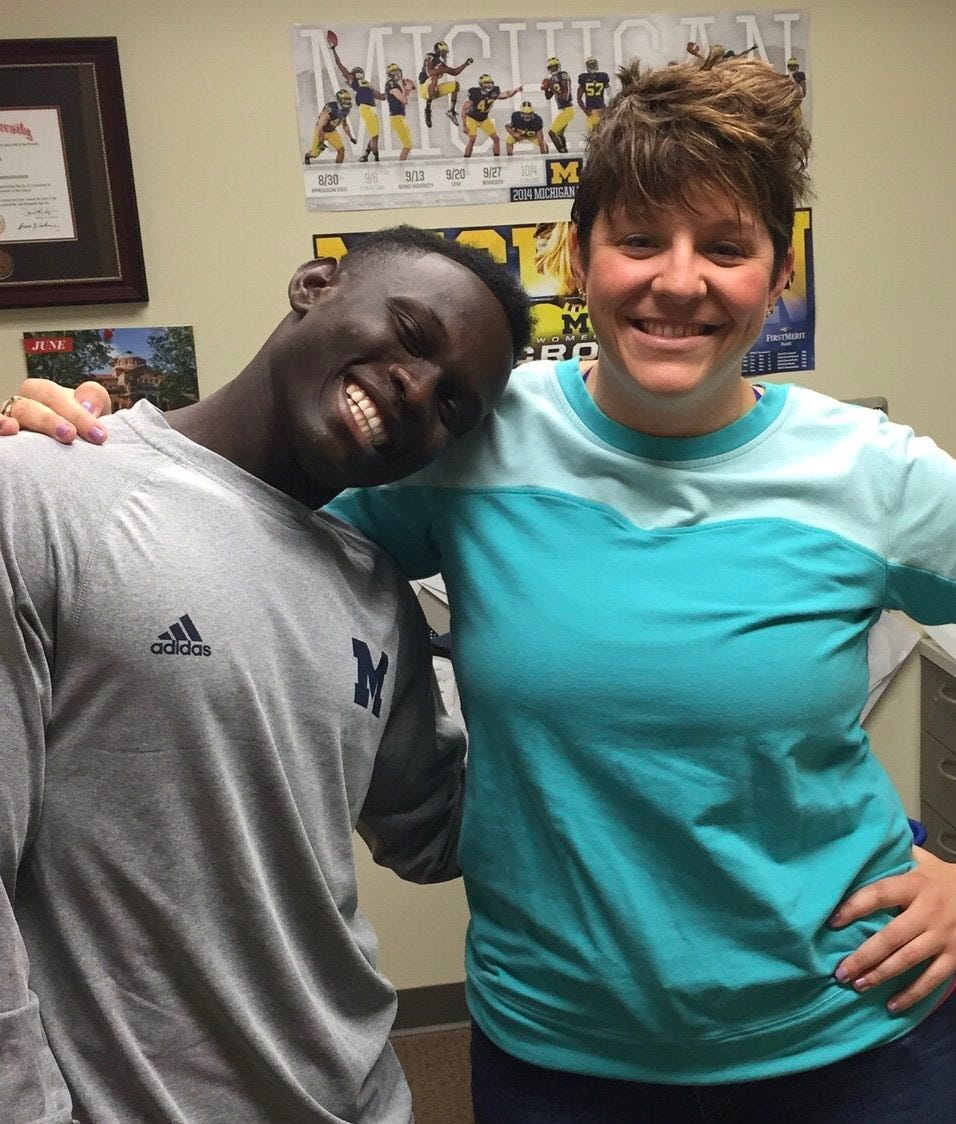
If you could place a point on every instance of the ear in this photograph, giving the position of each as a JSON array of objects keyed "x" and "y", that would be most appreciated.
[
  {"x": 577, "y": 259},
  {"x": 308, "y": 281},
  {"x": 783, "y": 276}
]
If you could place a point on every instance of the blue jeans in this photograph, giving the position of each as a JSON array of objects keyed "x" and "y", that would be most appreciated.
[{"x": 909, "y": 1081}]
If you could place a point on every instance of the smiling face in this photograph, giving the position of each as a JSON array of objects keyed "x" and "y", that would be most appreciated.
[
  {"x": 383, "y": 366},
  {"x": 676, "y": 298}
]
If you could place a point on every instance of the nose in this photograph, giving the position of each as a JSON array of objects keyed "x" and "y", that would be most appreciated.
[
  {"x": 417, "y": 385},
  {"x": 679, "y": 277}
]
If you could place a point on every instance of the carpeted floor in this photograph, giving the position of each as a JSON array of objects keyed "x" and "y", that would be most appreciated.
[{"x": 439, "y": 1073}]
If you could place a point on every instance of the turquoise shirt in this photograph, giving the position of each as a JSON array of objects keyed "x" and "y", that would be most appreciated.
[{"x": 661, "y": 647}]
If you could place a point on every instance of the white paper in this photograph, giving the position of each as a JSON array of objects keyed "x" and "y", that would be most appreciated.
[
  {"x": 944, "y": 635},
  {"x": 436, "y": 587},
  {"x": 35, "y": 204}
]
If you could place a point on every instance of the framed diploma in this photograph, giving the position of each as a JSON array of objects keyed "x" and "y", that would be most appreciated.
[{"x": 69, "y": 229}]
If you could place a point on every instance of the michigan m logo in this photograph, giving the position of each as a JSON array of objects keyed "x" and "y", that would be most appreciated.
[
  {"x": 563, "y": 171},
  {"x": 575, "y": 322},
  {"x": 369, "y": 679}
]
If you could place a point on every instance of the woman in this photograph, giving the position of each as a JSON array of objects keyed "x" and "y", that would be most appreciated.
[{"x": 661, "y": 580}]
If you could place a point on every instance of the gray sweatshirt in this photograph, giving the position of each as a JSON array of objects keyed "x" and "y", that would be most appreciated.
[{"x": 204, "y": 688}]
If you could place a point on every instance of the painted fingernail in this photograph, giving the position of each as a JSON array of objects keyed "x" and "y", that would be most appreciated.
[
  {"x": 88, "y": 406},
  {"x": 97, "y": 435},
  {"x": 842, "y": 974},
  {"x": 836, "y": 918},
  {"x": 893, "y": 1005},
  {"x": 861, "y": 984},
  {"x": 63, "y": 431}
]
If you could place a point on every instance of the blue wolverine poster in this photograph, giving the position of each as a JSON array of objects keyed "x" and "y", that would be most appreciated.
[
  {"x": 538, "y": 255},
  {"x": 431, "y": 111}
]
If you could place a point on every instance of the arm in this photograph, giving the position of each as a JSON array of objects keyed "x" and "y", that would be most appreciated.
[
  {"x": 343, "y": 69},
  {"x": 46, "y": 407},
  {"x": 504, "y": 94},
  {"x": 456, "y": 70},
  {"x": 920, "y": 520},
  {"x": 397, "y": 517},
  {"x": 581, "y": 97},
  {"x": 348, "y": 129},
  {"x": 31, "y": 1087},
  {"x": 412, "y": 811}
]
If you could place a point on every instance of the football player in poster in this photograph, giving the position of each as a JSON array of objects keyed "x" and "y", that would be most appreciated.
[
  {"x": 592, "y": 91},
  {"x": 557, "y": 85},
  {"x": 397, "y": 91},
  {"x": 433, "y": 83},
  {"x": 525, "y": 125},
  {"x": 477, "y": 112},
  {"x": 365, "y": 97},
  {"x": 334, "y": 116},
  {"x": 793, "y": 69}
]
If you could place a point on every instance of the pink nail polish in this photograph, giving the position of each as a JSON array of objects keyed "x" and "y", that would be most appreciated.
[
  {"x": 842, "y": 974},
  {"x": 88, "y": 406},
  {"x": 861, "y": 984},
  {"x": 63, "y": 431},
  {"x": 97, "y": 435}
]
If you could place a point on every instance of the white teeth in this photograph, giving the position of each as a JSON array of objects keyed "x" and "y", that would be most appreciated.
[
  {"x": 670, "y": 330},
  {"x": 366, "y": 415}
]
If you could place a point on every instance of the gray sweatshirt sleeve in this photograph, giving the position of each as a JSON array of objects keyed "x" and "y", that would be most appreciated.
[
  {"x": 31, "y": 1086},
  {"x": 412, "y": 811}
]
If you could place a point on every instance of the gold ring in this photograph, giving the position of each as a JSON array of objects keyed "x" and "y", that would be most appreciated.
[{"x": 7, "y": 407}]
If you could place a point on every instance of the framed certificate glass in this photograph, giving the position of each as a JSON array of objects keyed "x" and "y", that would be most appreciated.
[{"x": 69, "y": 229}]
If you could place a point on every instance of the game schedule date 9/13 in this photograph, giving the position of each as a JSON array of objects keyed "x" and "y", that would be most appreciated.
[{"x": 444, "y": 181}]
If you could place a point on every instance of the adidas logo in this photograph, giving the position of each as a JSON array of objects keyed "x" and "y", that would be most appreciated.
[{"x": 180, "y": 639}]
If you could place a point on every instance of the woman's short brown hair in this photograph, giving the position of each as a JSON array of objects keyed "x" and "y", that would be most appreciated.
[{"x": 728, "y": 125}]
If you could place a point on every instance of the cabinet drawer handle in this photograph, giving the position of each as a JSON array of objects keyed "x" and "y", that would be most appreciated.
[
  {"x": 941, "y": 696},
  {"x": 947, "y": 767},
  {"x": 946, "y": 841}
]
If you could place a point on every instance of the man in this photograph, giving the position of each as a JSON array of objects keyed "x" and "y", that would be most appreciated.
[
  {"x": 525, "y": 125},
  {"x": 204, "y": 687},
  {"x": 365, "y": 98},
  {"x": 592, "y": 91},
  {"x": 432, "y": 84},
  {"x": 397, "y": 91},
  {"x": 477, "y": 112},
  {"x": 557, "y": 85},
  {"x": 334, "y": 116}
]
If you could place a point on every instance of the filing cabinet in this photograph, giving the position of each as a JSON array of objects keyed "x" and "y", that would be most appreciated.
[{"x": 938, "y": 749}]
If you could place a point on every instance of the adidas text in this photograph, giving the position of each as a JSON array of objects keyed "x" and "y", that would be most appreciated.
[{"x": 179, "y": 648}]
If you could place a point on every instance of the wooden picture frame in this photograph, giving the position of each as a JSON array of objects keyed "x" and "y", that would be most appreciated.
[{"x": 69, "y": 228}]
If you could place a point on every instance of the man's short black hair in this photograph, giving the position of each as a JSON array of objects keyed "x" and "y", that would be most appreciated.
[{"x": 505, "y": 289}]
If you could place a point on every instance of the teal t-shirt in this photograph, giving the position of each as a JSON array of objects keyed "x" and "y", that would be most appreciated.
[{"x": 661, "y": 647}]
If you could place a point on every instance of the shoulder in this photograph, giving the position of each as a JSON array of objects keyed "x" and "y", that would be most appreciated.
[
  {"x": 836, "y": 428},
  {"x": 55, "y": 471}
]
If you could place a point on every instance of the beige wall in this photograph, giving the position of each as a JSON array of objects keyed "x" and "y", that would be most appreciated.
[{"x": 209, "y": 97}]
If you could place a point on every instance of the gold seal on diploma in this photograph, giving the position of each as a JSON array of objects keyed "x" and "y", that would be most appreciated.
[{"x": 6, "y": 265}]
